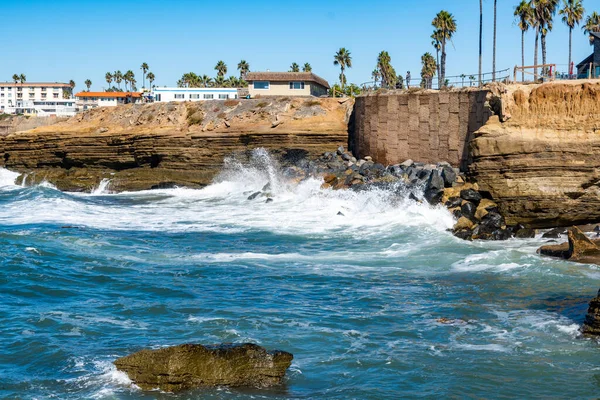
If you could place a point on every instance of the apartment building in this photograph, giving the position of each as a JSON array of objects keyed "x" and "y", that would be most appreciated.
[{"x": 17, "y": 96}]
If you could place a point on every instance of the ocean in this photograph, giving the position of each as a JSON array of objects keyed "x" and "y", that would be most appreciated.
[{"x": 368, "y": 290}]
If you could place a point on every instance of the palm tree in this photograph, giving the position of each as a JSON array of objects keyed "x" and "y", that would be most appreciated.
[
  {"x": 436, "y": 43},
  {"x": 22, "y": 78},
  {"x": 494, "y": 50},
  {"x": 129, "y": 77},
  {"x": 572, "y": 13},
  {"x": 445, "y": 23},
  {"x": 387, "y": 72},
  {"x": 428, "y": 70},
  {"x": 480, "y": 38},
  {"x": 592, "y": 24},
  {"x": 524, "y": 15},
  {"x": 294, "y": 67},
  {"x": 344, "y": 60},
  {"x": 219, "y": 81},
  {"x": 306, "y": 67},
  {"x": 72, "y": 86},
  {"x": 16, "y": 78},
  {"x": 118, "y": 77},
  {"x": 88, "y": 84},
  {"x": 144, "y": 67},
  {"x": 221, "y": 69},
  {"x": 244, "y": 68},
  {"x": 206, "y": 80},
  {"x": 151, "y": 78},
  {"x": 375, "y": 75},
  {"x": 543, "y": 12},
  {"x": 109, "y": 79}
]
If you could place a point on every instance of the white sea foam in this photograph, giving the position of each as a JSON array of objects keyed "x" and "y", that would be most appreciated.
[
  {"x": 8, "y": 178},
  {"x": 102, "y": 187},
  {"x": 304, "y": 208}
]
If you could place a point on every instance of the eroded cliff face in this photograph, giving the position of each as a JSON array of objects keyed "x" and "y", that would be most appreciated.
[
  {"x": 542, "y": 163},
  {"x": 156, "y": 145}
]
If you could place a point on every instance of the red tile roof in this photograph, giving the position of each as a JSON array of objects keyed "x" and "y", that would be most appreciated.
[{"x": 109, "y": 95}]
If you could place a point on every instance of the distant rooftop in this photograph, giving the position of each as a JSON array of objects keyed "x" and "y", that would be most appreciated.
[
  {"x": 109, "y": 95},
  {"x": 286, "y": 77},
  {"x": 44, "y": 84}
]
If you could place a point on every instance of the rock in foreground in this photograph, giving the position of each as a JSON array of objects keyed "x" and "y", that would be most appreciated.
[
  {"x": 191, "y": 366},
  {"x": 580, "y": 248}
]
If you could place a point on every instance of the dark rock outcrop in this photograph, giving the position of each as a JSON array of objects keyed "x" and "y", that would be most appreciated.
[
  {"x": 591, "y": 325},
  {"x": 579, "y": 248},
  {"x": 190, "y": 366}
]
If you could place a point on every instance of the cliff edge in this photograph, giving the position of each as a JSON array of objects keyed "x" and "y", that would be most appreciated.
[
  {"x": 539, "y": 157},
  {"x": 165, "y": 144}
]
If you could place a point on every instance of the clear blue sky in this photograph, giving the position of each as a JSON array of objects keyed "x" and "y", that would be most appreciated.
[{"x": 59, "y": 40}]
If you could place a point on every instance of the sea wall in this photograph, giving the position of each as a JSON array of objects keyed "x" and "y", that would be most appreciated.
[
  {"x": 425, "y": 126},
  {"x": 542, "y": 164},
  {"x": 164, "y": 144}
]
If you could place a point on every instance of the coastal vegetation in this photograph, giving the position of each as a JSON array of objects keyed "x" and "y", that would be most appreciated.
[
  {"x": 88, "y": 84},
  {"x": 344, "y": 60},
  {"x": 428, "y": 69},
  {"x": 445, "y": 24}
]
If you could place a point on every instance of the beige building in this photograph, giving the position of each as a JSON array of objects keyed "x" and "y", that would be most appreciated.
[
  {"x": 286, "y": 84},
  {"x": 16, "y": 96}
]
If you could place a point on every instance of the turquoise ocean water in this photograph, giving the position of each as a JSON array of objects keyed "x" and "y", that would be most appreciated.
[{"x": 380, "y": 303}]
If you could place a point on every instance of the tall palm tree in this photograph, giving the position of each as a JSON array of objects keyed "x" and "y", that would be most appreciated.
[
  {"x": 22, "y": 78},
  {"x": 572, "y": 14},
  {"x": 543, "y": 13},
  {"x": 494, "y": 50},
  {"x": 480, "y": 38},
  {"x": 88, "y": 84},
  {"x": 72, "y": 86},
  {"x": 306, "y": 67},
  {"x": 592, "y": 24},
  {"x": 118, "y": 77},
  {"x": 144, "y": 67},
  {"x": 221, "y": 68},
  {"x": 151, "y": 78},
  {"x": 436, "y": 43},
  {"x": 129, "y": 77},
  {"x": 219, "y": 81},
  {"x": 428, "y": 69},
  {"x": 445, "y": 23},
  {"x": 524, "y": 15},
  {"x": 244, "y": 68},
  {"x": 375, "y": 75},
  {"x": 386, "y": 71},
  {"x": 344, "y": 60},
  {"x": 16, "y": 78},
  {"x": 109, "y": 79},
  {"x": 294, "y": 67}
]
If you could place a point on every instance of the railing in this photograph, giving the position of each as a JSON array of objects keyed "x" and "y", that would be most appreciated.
[{"x": 463, "y": 80}]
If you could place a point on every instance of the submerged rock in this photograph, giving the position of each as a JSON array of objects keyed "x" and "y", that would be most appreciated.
[
  {"x": 188, "y": 366},
  {"x": 591, "y": 326}
]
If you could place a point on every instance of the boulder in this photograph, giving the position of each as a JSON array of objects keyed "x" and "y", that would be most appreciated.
[
  {"x": 554, "y": 233},
  {"x": 463, "y": 223},
  {"x": 449, "y": 175},
  {"x": 188, "y": 366},
  {"x": 470, "y": 195},
  {"x": 254, "y": 195},
  {"x": 591, "y": 325},
  {"x": 579, "y": 248},
  {"x": 484, "y": 207},
  {"x": 454, "y": 202},
  {"x": 468, "y": 210},
  {"x": 434, "y": 189}
]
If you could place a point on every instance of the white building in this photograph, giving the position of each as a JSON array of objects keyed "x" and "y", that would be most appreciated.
[
  {"x": 44, "y": 108},
  {"x": 15, "y": 97},
  {"x": 166, "y": 94},
  {"x": 88, "y": 100}
]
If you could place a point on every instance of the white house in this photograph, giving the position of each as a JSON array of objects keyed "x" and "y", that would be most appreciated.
[
  {"x": 87, "y": 100},
  {"x": 166, "y": 94},
  {"x": 16, "y": 98}
]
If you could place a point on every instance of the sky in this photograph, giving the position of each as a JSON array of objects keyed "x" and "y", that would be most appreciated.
[{"x": 60, "y": 40}]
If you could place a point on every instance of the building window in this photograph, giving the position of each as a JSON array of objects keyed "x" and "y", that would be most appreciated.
[
  {"x": 2, "y": 89},
  {"x": 194, "y": 96},
  {"x": 55, "y": 95},
  {"x": 261, "y": 85},
  {"x": 19, "y": 89},
  {"x": 1, "y": 94},
  {"x": 158, "y": 97},
  {"x": 223, "y": 96},
  {"x": 180, "y": 96},
  {"x": 44, "y": 95},
  {"x": 209, "y": 96},
  {"x": 43, "y": 89},
  {"x": 297, "y": 85},
  {"x": 31, "y": 95},
  {"x": 19, "y": 95}
]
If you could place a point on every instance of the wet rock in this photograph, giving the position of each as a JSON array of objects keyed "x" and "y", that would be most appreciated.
[
  {"x": 463, "y": 223},
  {"x": 454, "y": 202},
  {"x": 267, "y": 187},
  {"x": 269, "y": 200},
  {"x": 579, "y": 248},
  {"x": 471, "y": 195},
  {"x": 485, "y": 206},
  {"x": 341, "y": 214},
  {"x": 448, "y": 175},
  {"x": 492, "y": 221},
  {"x": 465, "y": 234},
  {"x": 340, "y": 150},
  {"x": 591, "y": 325},
  {"x": 346, "y": 157},
  {"x": 188, "y": 366},
  {"x": 525, "y": 233},
  {"x": 254, "y": 195},
  {"x": 468, "y": 210},
  {"x": 434, "y": 190},
  {"x": 502, "y": 234},
  {"x": 554, "y": 233}
]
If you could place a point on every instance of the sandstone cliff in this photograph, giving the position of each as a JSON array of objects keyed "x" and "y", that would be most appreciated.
[
  {"x": 145, "y": 146},
  {"x": 541, "y": 164}
]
